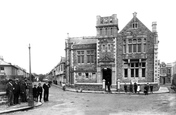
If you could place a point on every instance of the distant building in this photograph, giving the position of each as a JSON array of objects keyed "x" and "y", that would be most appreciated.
[
  {"x": 57, "y": 74},
  {"x": 11, "y": 71},
  {"x": 129, "y": 55},
  {"x": 165, "y": 73}
]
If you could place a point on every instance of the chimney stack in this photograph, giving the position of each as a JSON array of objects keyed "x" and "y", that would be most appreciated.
[{"x": 154, "y": 27}]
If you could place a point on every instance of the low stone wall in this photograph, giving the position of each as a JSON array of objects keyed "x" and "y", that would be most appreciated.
[{"x": 89, "y": 86}]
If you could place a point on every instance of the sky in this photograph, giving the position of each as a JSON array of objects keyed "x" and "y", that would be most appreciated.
[{"x": 44, "y": 25}]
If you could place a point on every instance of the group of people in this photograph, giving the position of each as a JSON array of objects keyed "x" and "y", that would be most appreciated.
[
  {"x": 136, "y": 88},
  {"x": 16, "y": 91},
  {"x": 37, "y": 92}
]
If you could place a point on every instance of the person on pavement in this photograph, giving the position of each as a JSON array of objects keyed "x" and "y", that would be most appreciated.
[
  {"x": 16, "y": 91},
  {"x": 125, "y": 88},
  {"x": 23, "y": 88},
  {"x": 40, "y": 90},
  {"x": 138, "y": 88},
  {"x": 35, "y": 93},
  {"x": 131, "y": 87},
  {"x": 9, "y": 92},
  {"x": 135, "y": 87},
  {"x": 46, "y": 87},
  {"x": 151, "y": 88}
]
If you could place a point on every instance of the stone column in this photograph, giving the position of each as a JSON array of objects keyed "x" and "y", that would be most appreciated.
[
  {"x": 99, "y": 76},
  {"x": 113, "y": 76}
]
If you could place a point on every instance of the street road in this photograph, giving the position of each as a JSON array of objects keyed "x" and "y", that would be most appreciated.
[{"x": 72, "y": 103}]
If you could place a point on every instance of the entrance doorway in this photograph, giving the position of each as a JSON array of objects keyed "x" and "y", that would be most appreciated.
[{"x": 106, "y": 72}]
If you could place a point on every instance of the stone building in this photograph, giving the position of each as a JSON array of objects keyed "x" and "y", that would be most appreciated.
[{"x": 126, "y": 56}]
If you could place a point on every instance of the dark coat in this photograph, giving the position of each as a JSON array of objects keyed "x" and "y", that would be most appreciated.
[
  {"x": 16, "y": 88},
  {"x": 35, "y": 92},
  {"x": 46, "y": 88},
  {"x": 40, "y": 90}
]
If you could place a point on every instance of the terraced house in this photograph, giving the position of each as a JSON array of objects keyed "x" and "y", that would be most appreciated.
[{"x": 126, "y": 56}]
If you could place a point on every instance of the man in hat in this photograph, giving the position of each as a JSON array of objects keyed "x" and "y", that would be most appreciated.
[
  {"x": 16, "y": 91},
  {"x": 35, "y": 93},
  {"x": 9, "y": 92},
  {"x": 46, "y": 87},
  {"x": 40, "y": 90}
]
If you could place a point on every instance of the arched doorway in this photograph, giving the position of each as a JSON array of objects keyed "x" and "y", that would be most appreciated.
[{"x": 106, "y": 73}]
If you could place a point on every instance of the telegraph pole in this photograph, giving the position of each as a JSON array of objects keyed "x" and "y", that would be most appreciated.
[{"x": 30, "y": 101}]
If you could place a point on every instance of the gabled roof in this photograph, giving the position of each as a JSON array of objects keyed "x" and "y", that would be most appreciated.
[
  {"x": 2, "y": 62},
  {"x": 141, "y": 26}
]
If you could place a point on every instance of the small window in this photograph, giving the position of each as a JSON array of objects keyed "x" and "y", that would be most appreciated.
[
  {"x": 124, "y": 41},
  {"x": 139, "y": 40},
  {"x": 134, "y": 40},
  {"x": 130, "y": 41},
  {"x": 2, "y": 68}
]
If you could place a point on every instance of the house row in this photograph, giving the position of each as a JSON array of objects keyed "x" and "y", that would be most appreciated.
[
  {"x": 8, "y": 70},
  {"x": 57, "y": 74}
]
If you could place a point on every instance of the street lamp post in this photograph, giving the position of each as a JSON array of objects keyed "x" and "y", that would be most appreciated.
[{"x": 30, "y": 101}]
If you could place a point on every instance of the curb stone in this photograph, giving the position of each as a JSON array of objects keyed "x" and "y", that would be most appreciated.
[
  {"x": 20, "y": 108},
  {"x": 102, "y": 92}
]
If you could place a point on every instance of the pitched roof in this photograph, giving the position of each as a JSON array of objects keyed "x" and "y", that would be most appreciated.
[
  {"x": 141, "y": 26},
  {"x": 83, "y": 40},
  {"x": 2, "y": 62}
]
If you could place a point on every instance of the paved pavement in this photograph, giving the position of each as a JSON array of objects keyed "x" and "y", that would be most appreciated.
[
  {"x": 19, "y": 107},
  {"x": 162, "y": 89}
]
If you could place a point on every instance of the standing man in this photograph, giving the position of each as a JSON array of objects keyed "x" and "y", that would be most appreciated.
[
  {"x": 131, "y": 87},
  {"x": 40, "y": 90},
  {"x": 125, "y": 88},
  {"x": 9, "y": 92},
  {"x": 35, "y": 93},
  {"x": 135, "y": 87},
  {"x": 46, "y": 87},
  {"x": 16, "y": 91},
  {"x": 151, "y": 88},
  {"x": 23, "y": 88}
]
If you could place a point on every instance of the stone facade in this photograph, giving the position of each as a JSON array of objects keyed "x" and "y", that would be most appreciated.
[{"x": 127, "y": 56}]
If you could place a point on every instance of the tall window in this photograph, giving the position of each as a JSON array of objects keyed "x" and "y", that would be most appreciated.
[
  {"x": 144, "y": 45},
  {"x": 130, "y": 45},
  {"x": 143, "y": 68},
  {"x": 124, "y": 46},
  {"x": 139, "y": 45},
  {"x": 80, "y": 55},
  {"x": 90, "y": 56},
  {"x": 126, "y": 72}
]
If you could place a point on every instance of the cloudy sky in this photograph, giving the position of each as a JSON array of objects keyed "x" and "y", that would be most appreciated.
[{"x": 45, "y": 24}]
